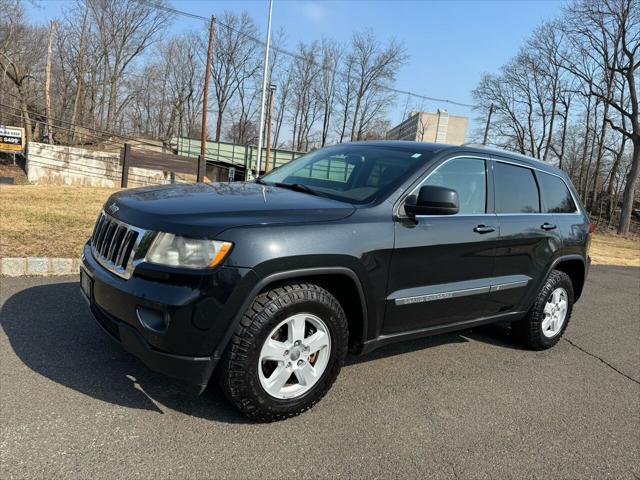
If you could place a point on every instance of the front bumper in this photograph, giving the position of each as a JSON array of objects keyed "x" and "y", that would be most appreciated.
[
  {"x": 172, "y": 320},
  {"x": 195, "y": 371}
]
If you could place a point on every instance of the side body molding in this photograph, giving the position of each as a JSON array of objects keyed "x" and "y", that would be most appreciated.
[{"x": 458, "y": 289}]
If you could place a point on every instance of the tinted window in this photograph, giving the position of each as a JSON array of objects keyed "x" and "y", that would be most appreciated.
[
  {"x": 353, "y": 173},
  {"x": 467, "y": 176},
  {"x": 555, "y": 194},
  {"x": 516, "y": 189}
]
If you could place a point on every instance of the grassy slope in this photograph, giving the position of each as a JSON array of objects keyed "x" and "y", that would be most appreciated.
[
  {"x": 55, "y": 221},
  {"x": 49, "y": 221}
]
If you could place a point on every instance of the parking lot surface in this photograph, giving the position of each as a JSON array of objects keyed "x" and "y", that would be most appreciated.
[{"x": 465, "y": 405}]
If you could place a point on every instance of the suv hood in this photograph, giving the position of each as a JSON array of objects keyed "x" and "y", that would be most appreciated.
[{"x": 205, "y": 210}]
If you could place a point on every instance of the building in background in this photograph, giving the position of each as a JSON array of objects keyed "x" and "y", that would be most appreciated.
[{"x": 439, "y": 127}]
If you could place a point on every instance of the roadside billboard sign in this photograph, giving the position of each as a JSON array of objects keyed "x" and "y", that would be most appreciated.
[{"x": 11, "y": 139}]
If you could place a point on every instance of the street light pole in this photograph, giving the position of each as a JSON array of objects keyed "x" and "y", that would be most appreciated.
[{"x": 264, "y": 91}]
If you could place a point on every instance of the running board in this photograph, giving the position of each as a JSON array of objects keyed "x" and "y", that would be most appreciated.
[{"x": 383, "y": 340}]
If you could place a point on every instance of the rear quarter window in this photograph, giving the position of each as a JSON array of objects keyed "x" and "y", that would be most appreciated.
[
  {"x": 556, "y": 197},
  {"x": 516, "y": 190}
]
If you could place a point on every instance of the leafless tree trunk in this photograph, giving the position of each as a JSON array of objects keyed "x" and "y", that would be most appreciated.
[{"x": 607, "y": 34}]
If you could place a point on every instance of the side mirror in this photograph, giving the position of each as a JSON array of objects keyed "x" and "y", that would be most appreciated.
[{"x": 433, "y": 200}]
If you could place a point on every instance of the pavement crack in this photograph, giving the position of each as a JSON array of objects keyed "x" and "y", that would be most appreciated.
[{"x": 570, "y": 342}]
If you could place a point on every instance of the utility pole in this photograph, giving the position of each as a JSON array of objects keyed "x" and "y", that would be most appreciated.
[
  {"x": 272, "y": 91},
  {"x": 264, "y": 91},
  {"x": 205, "y": 103},
  {"x": 47, "y": 82},
  {"x": 486, "y": 128}
]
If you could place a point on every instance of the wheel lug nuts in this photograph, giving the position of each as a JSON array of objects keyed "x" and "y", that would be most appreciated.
[
  {"x": 288, "y": 364},
  {"x": 300, "y": 362},
  {"x": 286, "y": 352}
]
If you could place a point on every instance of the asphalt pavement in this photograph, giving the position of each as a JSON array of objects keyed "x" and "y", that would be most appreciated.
[{"x": 466, "y": 405}]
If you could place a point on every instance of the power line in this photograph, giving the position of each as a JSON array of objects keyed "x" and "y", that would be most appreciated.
[
  {"x": 72, "y": 125},
  {"x": 300, "y": 57},
  {"x": 210, "y": 151}
]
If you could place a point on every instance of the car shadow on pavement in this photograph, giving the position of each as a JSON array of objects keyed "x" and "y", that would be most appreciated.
[{"x": 52, "y": 331}]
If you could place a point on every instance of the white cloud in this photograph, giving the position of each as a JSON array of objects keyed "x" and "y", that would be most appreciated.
[{"x": 313, "y": 11}]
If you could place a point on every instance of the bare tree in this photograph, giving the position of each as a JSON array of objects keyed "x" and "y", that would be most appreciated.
[
  {"x": 331, "y": 55},
  {"x": 125, "y": 29},
  {"x": 20, "y": 58},
  {"x": 235, "y": 59},
  {"x": 304, "y": 109},
  {"x": 374, "y": 68},
  {"x": 604, "y": 40}
]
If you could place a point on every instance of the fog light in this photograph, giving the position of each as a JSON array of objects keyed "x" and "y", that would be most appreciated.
[{"x": 154, "y": 320}]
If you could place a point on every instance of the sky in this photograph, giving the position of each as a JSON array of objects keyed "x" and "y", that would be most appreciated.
[{"x": 450, "y": 43}]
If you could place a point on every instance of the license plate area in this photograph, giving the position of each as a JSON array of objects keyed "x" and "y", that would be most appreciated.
[{"x": 86, "y": 284}]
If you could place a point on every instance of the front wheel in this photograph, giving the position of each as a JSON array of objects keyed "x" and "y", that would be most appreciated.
[
  {"x": 548, "y": 318},
  {"x": 286, "y": 353}
]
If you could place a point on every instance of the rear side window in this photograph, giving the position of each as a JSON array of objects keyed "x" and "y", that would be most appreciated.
[
  {"x": 555, "y": 194},
  {"x": 516, "y": 189}
]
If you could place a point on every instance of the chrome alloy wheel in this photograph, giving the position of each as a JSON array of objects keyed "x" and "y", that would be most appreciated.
[
  {"x": 555, "y": 312},
  {"x": 294, "y": 356}
]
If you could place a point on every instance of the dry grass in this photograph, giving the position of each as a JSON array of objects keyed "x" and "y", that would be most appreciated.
[
  {"x": 55, "y": 221},
  {"x": 608, "y": 249},
  {"x": 48, "y": 221}
]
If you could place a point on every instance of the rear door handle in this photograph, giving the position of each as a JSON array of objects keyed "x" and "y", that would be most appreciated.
[
  {"x": 547, "y": 226},
  {"x": 484, "y": 229}
]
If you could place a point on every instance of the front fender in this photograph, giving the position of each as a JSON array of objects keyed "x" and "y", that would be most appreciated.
[{"x": 263, "y": 283}]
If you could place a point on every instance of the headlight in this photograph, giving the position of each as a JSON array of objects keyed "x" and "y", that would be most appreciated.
[{"x": 175, "y": 251}]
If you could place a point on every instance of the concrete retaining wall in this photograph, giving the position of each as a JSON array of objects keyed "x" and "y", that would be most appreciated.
[{"x": 59, "y": 165}]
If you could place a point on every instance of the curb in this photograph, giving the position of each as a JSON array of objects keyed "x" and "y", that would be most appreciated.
[{"x": 38, "y": 266}]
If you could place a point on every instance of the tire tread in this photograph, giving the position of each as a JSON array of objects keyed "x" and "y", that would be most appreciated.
[{"x": 232, "y": 374}]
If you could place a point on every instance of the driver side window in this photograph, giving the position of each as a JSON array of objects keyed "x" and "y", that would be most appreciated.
[{"x": 468, "y": 177}]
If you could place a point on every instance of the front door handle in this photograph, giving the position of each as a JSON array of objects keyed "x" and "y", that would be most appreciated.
[
  {"x": 547, "y": 226},
  {"x": 484, "y": 229}
]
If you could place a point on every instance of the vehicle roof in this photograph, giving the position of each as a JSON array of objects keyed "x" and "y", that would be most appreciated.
[{"x": 467, "y": 148}]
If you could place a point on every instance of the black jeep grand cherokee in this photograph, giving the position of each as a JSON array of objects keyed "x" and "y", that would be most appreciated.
[{"x": 268, "y": 284}]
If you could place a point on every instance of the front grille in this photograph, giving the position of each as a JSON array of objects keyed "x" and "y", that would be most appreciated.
[{"x": 114, "y": 243}]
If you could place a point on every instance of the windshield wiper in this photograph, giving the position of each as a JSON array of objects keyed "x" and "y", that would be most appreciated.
[{"x": 298, "y": 187}]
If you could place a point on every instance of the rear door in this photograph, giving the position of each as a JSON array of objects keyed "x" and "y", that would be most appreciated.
[
  {"x": 529, "y": 237},
  {"x": 442, "y": 265}
]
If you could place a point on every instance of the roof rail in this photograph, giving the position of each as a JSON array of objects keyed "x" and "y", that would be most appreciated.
[
  {"x": 501, "y": 150},
  {"x": 475, "y": 145}
]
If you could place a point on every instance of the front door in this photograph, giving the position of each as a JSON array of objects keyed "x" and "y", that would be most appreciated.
[{"x": 442, "y": 265}]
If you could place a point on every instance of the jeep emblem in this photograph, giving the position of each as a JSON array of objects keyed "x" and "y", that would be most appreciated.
[{"x": 113, "y": 208}]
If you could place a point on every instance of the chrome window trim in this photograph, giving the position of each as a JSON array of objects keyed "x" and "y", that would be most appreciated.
[{"x": 479, "y": 156}]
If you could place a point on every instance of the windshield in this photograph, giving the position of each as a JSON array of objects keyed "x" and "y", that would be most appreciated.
[{"x": 351, "y": 173}]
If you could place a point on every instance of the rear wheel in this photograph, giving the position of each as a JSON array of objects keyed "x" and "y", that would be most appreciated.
[
  {"x": 286, "y": 352},
  {"x": 548, "y": 318}
]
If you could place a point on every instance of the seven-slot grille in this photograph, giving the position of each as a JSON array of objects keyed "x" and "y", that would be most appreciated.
[{"x": 113, "y": 243}]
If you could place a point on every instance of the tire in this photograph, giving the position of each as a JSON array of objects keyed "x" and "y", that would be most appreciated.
[
  {"x": 245, "y": 370},
  {"x": 535, "y": 330}
]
